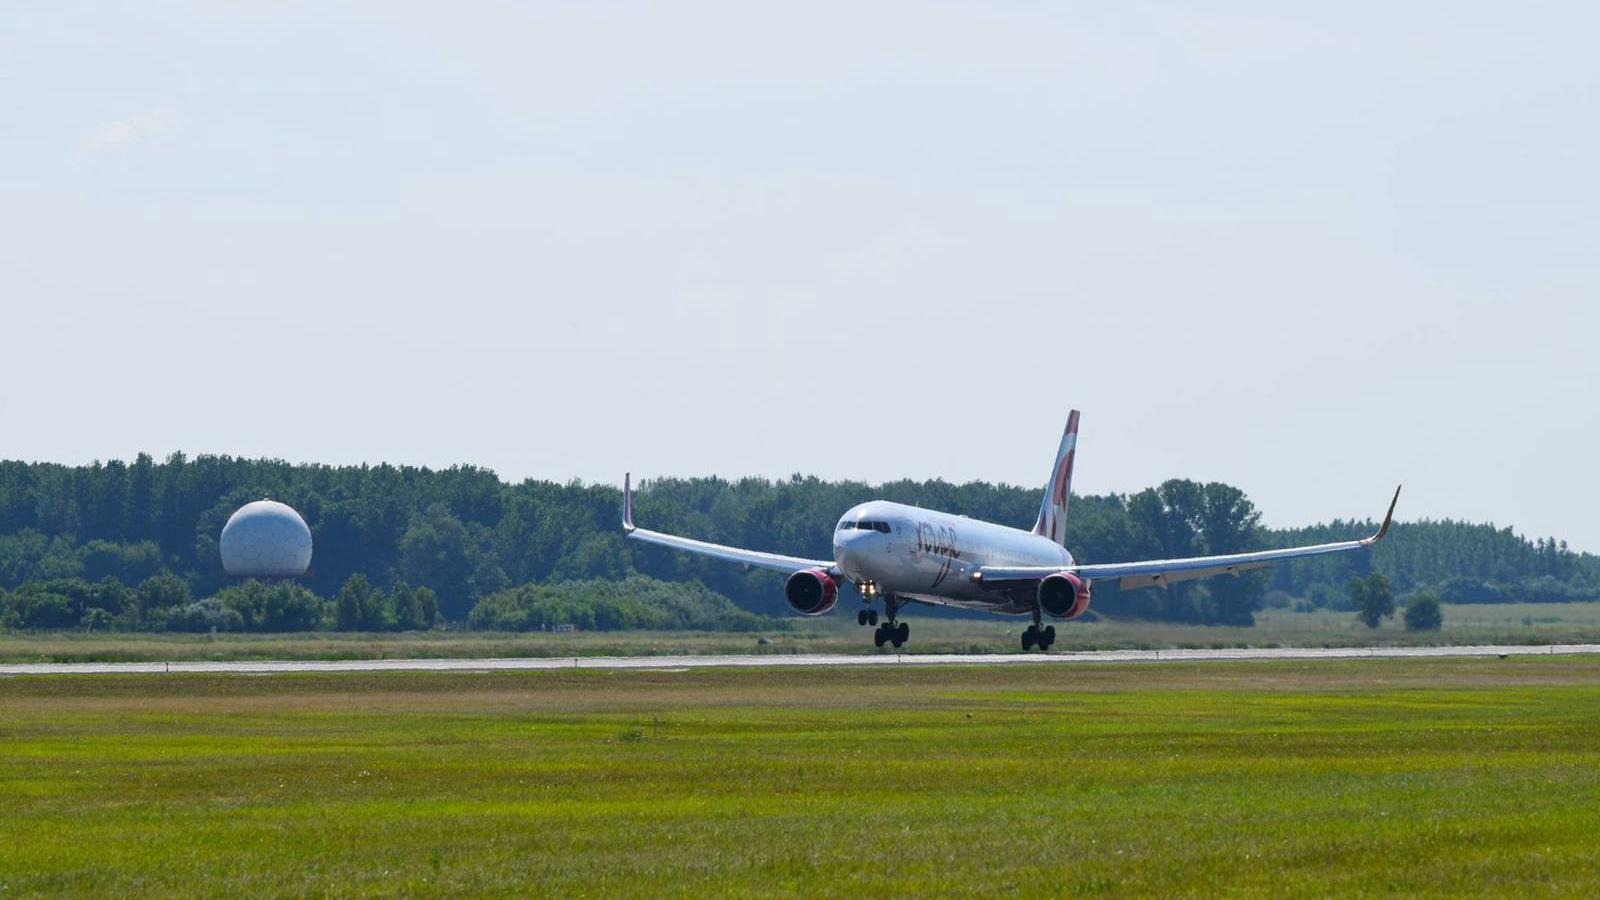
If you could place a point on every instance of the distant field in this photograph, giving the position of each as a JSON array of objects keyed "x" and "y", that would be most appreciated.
[
  {"x": 1367, "y": 777},
  {"x": 1497, "y": 622},
  {"x": 1516, "y": 623}
]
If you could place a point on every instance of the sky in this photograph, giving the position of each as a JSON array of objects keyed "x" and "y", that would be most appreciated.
[{"x": 1310, "y": 250}]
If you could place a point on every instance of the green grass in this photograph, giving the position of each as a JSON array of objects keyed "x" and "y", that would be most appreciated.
[
  {"x": 1514, "y": 623},
  {"x": 1424, "y": 777}
]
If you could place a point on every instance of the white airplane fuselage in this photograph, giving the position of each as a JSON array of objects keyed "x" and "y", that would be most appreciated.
[{"x": 929, "y": 556}]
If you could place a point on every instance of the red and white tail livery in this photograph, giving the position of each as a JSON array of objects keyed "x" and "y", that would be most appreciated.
[{"x": 1052, "y": 521}]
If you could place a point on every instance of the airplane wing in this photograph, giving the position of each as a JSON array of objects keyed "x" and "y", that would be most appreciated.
[
  {"x": 1158, "y": 572},
  {"x": 774, "y": 561}
]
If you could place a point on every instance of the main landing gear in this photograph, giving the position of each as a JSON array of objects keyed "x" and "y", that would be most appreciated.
[
  {"x": 889, "y": 632},
  {"x": 1037, "y": 635}
]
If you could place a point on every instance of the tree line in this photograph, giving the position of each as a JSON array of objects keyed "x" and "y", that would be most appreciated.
[{"x": 71, "y": 536}]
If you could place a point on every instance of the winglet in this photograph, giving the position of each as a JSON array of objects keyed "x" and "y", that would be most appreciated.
[
  {"x": 1388, "y": 519},
  {"x": 627, "y": 501}
]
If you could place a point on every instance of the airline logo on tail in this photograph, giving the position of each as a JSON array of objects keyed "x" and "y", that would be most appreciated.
[{"x": 1053, "y": 510}]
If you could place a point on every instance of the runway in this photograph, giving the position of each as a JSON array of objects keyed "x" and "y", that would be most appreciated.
[{"x": 752, "y": 661}]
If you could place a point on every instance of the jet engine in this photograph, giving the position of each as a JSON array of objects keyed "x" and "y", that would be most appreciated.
[
  {"x": 1064, "y": 595},
  {"x": 811, "y": 592}
]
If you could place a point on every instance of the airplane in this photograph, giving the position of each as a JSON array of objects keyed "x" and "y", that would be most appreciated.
[{"x": 902, "y": 554}]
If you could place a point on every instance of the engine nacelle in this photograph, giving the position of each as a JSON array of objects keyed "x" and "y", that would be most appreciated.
[
  {"x": 811, "y": 593},
  {"x": 1063, "y": 596}
]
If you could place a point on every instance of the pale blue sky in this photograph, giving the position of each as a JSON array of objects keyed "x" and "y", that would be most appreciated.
[{"x": 1311, "y": 252}]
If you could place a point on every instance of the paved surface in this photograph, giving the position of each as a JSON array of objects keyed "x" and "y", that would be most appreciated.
[{"x": 706, "y": 662}]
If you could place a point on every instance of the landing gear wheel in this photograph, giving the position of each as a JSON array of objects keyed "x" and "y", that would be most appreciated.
[
  {"x": 900, "y": 634},
  {"x": 881, "y": 636},
  {"x": 872, "y": 617},
  {"x": 861, "y": 617},
  {"x": 1028, "y": 638},
  {"x": 1047, "y": 637}
]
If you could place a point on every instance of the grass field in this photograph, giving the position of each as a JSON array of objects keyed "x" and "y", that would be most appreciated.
[
  {"x": 1515, "y": 623},
  {"x": 1431, "y": 777}
]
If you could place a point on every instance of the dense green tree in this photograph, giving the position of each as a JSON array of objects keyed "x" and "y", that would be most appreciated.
[
  {"x": 38, "y": 606},
  {"x": 1423, "y": 612},
  {"x": 426, "y": 604},
  {"x": 436, "y": 552},
  {"x": 129, "y": 563},
  {"x": 203, "y": 616},
  {"x": 63, "y": 602},
  {"x": 96, "y": 620},
  {"x": 1372, "y": 598},
  {"x": 20, "y": 554},
  {"x": 161, "y": 592},
  {"x": 141, "y": 499},
  {"x": 29, "y": 555},
  {"x": 412, "y": 609},
  {"x": 110, "y": 595},
  {"x": 359, "y": 607},
  {"x": 278, "y": 606}
]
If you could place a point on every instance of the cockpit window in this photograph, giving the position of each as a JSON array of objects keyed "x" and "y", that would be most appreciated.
[
  {"x": 846, "y": 526},
  {"x": 865, "y": 525},
  {"x": 881, "y": 526}
]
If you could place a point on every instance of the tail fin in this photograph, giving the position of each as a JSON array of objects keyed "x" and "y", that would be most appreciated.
[{"x": 1053, "y": 510}]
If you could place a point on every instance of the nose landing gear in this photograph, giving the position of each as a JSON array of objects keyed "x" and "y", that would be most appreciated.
[{"x": 868, "y": 615}]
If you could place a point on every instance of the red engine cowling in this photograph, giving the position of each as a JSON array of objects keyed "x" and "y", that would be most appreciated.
[
  {"x": 811, "y": 593},
  {"x": 1063, "y": 596}
]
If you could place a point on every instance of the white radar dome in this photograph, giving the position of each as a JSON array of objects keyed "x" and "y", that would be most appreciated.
[{"x": 266, "y": 539}]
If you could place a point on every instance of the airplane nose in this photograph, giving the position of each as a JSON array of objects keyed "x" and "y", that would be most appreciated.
[{"x": 847, "y": 550}]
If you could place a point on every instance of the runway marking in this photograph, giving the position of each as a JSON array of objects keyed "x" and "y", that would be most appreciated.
[{"x": 681, "y": 663}]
